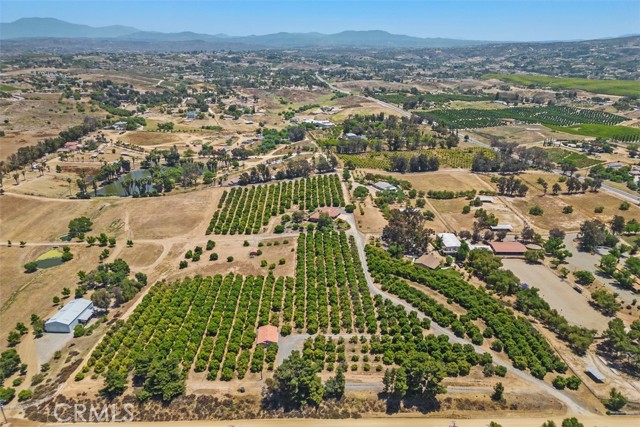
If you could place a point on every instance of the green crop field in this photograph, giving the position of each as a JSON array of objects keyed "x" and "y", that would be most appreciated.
[
  {"x": 619, "y": 133},
  {"x": 448, "y": 158},
  {"x": 610, "y": 87},
  {"x": 580, "y": 160},
  {"x": 469, "y": 118}
]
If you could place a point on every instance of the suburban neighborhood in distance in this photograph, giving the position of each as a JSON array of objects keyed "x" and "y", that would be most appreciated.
[{"x": 408, "y": 213}]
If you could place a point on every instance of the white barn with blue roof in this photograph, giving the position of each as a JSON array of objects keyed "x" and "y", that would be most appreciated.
[{"x": 64, "y": 321}]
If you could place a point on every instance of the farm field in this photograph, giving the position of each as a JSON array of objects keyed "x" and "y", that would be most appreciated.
[
  {"x": 609, "y": 87},
  {"x": 246, "y": 210},
  {"x": 448, "y": 158},
  {"x": 559, "y": 116},
  {"x": 558, "y": 155},
  {"x": 583, "y": 205},
  {"x": 618, "y": 133}
]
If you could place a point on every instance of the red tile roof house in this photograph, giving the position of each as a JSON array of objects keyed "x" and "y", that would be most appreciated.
[
  {"x": 267, "y": 335},
  {"x": 332, "y": 212},
  {"x": 508, "y": 248}
]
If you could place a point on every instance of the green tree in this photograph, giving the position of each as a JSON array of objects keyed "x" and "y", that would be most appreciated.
[
  {"x": 31, "y": 267},
  {"x": 498, "y": 392},
  {"x": 616, "y": 400},
  {"x": 584, "y": 277},
  {"x": 571, "y": 422},
  {"x": 163, "y": 380},
  {"x": 334, "y": 386},
  {"x": 296, "y": 382},
  {"x": 115, "y": 383},
  {"x": 79, "y": 225}
]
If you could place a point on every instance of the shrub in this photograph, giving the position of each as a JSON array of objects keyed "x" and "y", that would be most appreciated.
[
  {"x": 24, "y": 395},
  {"x": 281, "y": 261},
  {"x": 466, "y": 209},
  {"x": 599, "y": 209},
  {"x": 567, "y": 210},
  {"x": 183, "y": 264},
  {"x": 536, "y": 211},
  {"x": 30, "y": 267},
  {"x": 229, "y": 259},
  {"x": 278, "y": 229},
  {"x": 213, "y": 256},
  {"x": 624, "y": 206}
]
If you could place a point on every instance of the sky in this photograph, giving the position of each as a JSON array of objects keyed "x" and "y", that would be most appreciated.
[{"x": 498, "y": 20}]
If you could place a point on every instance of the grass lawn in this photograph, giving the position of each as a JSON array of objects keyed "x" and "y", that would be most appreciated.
[
  {"x": 7, "y": 88},
  {"x": 609, "y": 87},
  {"x": 624, "y": 133},
  {"x": 48, "y": 259},
  {"x": 580, "y": 160}
]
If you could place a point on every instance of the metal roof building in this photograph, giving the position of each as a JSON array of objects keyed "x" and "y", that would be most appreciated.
[
  {"x": 450, "y": 243},
  {"x": 77, "y": 311},
  {"x": 384, "y": 186}
]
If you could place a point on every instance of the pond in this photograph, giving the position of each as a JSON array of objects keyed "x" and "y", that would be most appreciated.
[
  {"x": 52, "y": 258},
  {"x": 117, "y": 188}
]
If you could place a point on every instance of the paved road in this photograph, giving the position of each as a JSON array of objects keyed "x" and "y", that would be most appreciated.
[
  {"x": 392, "y": 107},
  {"x": 572, "y": 404}
]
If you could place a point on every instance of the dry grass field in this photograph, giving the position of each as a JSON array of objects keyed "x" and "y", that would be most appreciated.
[
  {"x": 583, "y": 205},
  {"x": 34, "y": 118}
]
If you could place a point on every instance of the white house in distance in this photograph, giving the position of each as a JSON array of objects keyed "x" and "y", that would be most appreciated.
[
  {"x": 64, "y": 321},
  {"x": 384, "y": 186},
  {"x": 450, "y": 243}
]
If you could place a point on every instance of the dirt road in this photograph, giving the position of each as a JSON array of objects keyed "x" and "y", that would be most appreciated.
[{"x": 385, "y": 421}]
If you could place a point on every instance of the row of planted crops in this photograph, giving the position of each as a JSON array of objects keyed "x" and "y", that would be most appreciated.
[
  {"x": 209, "y": 324},
  {"x": 206, "y": 323},
  {"x": 512, "y": 334},
  {"x": 245, "y": 210},
  {"x": 468, "y": 118},
  {"x": 461, "y": 158}
]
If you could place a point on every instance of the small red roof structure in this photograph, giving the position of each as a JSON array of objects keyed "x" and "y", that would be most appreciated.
[
  {"x": 267, "y": 335},
  {"x": 332, "y": 212},
  {"x": 508, "y": 248},
  {"x": 254, "y": 252}
]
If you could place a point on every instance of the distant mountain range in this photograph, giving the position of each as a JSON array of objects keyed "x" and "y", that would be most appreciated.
[{"x": 48, "y": 28}]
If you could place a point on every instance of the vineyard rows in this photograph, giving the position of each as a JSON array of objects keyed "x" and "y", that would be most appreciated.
[
  {"x": 247, "y": 209},
  {"x": 449, "y": 158},
  {"x": 558, "y": 116}
]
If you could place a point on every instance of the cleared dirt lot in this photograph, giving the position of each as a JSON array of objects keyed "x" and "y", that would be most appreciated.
[{"x": 558, "y": 293}]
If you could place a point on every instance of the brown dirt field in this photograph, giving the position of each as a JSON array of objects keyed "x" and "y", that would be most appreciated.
[
  {"x": 36, "y": 219},
  {"x": 174, "y": 215},
  {"x": 522, "y": 134},
  {"x": 22, "y": 294},
  {"x": 400, "y": 420},
  {"x": 151, "y": 138},
  {"x": 141, "y": 254},
  {"x": 372, "y": 222},
  {"x": 583, "y": 205},
  {"x": 242, "y": 263},
  {"x": 37, "y": 117}
]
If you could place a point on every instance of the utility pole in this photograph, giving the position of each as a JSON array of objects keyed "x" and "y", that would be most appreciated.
[{"x": 3, "y": 415}]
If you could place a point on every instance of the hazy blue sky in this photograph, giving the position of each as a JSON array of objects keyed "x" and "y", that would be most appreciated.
[{"x": 465, "y": 19}]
